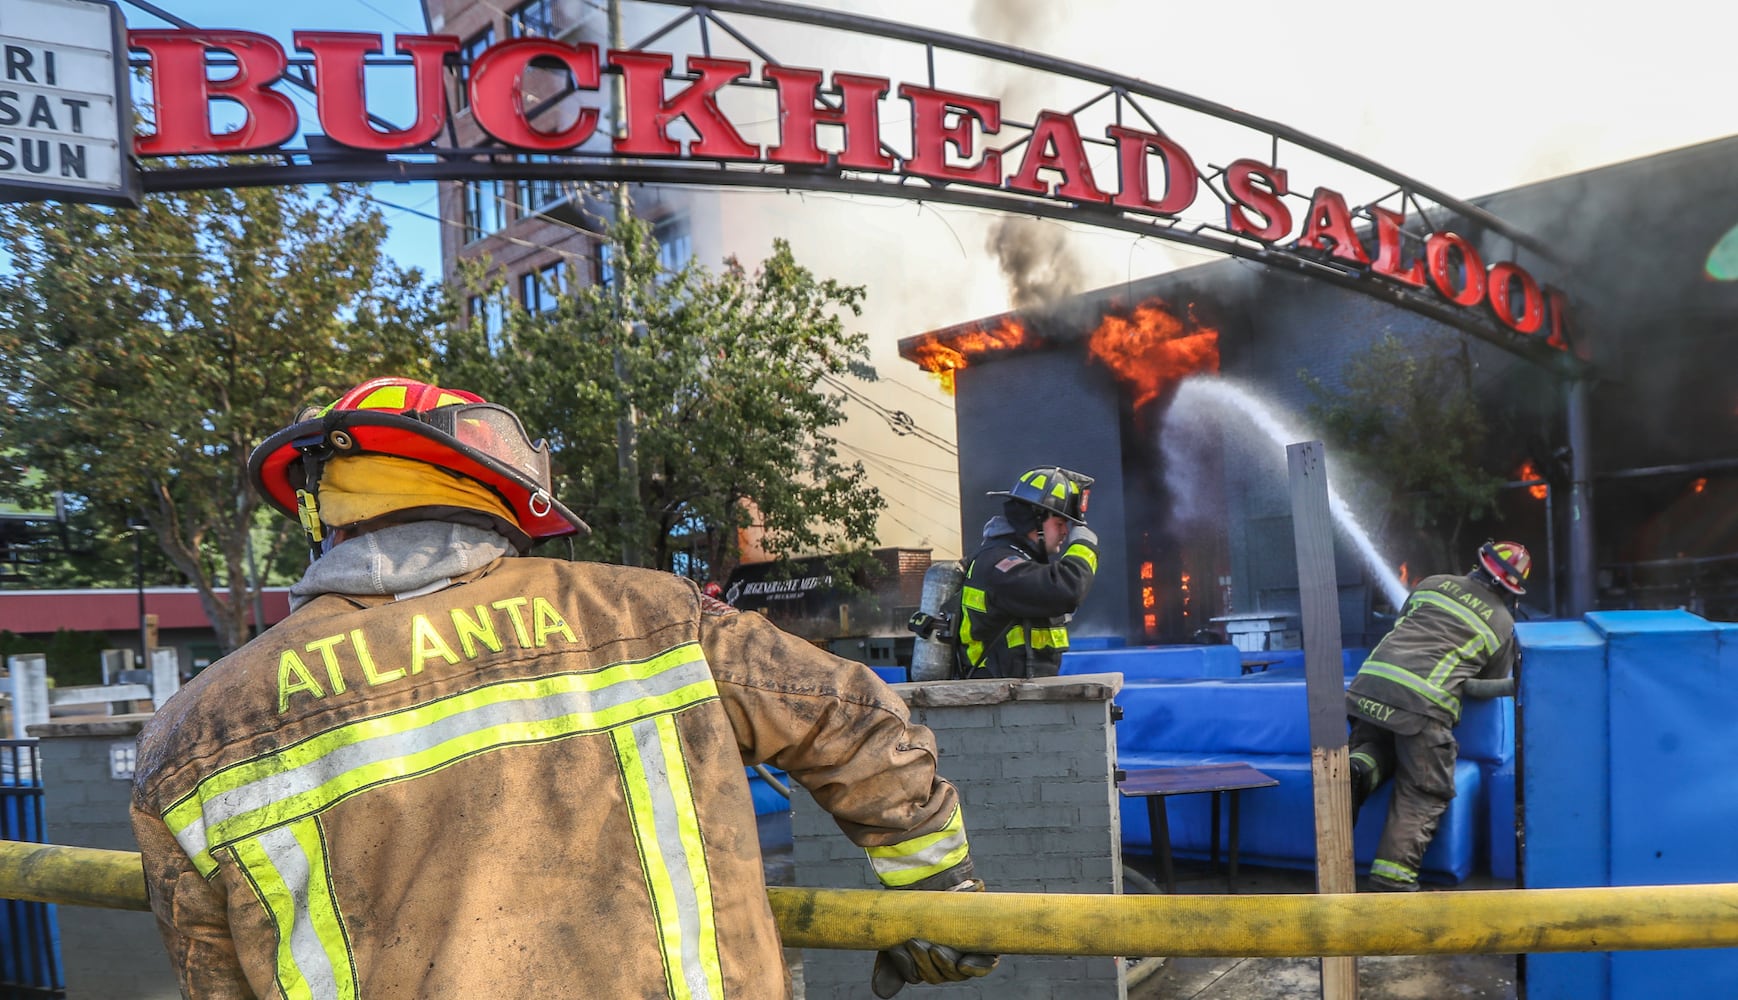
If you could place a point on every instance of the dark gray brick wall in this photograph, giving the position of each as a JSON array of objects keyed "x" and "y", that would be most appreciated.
[
  {"x": 1033, "y": 764},
  {"x": 107, "y": 954}
]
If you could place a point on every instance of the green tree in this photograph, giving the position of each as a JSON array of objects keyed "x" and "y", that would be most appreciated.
[
  {"x": 1407, "y": 413},
  {"x": 143, "y": 353},
  {"x": 728, "y": 375}
]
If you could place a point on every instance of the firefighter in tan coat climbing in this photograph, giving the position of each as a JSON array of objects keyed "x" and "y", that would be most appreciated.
[{"x": 458, "y": 771}]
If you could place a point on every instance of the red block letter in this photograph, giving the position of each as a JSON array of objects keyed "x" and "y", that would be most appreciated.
[
  {"x": 1502, "y": 278},
  {"x": 1262, "y": 199},
  {"x": 343, "y": 106},
  {"x": 1055, "y": 144},
  {"x": 800, "y": 111},
  {"x": 931, "y": 135},
  {"x": 1181, "y": 177},
  {"x": 1329, "y": 228},
  {"x": 498, "y": 91},
  {"x": 1388, "y": 249},
  {"x": 181, "y": 94},
  {"x": 1436, "y": 250},
  {"x": 649, "y": 114}
]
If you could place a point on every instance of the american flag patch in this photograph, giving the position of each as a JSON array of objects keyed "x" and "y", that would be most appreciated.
[{"x": 1010, "y": 562}]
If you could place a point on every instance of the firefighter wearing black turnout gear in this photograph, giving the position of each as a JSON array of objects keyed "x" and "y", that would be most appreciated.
[
  {"x": 1034, "y": 568},
  {"x": 1455, "y": 639}
]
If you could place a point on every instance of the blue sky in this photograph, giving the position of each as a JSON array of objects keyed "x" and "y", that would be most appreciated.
[{"x": 414, "y": 239}]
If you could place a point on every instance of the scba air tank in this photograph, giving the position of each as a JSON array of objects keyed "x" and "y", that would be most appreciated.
[{"x": 932, "y": 655}]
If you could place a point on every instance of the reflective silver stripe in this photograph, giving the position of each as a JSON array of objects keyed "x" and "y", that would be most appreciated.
[
  {"x": 919, "y": 858},
  {"x": 287, "y": 880},
  {"x": 668, "y": 819}
]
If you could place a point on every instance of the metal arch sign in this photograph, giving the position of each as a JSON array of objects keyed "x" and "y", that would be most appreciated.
[{"x": 959, "y": 147}]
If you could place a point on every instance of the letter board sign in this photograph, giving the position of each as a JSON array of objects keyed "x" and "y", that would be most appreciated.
[{"x": 65, "y": 109}]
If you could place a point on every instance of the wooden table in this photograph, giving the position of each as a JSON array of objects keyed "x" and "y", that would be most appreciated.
[{"x": 1155, "y": 784}]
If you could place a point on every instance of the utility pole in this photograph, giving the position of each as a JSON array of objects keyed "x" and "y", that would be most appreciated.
[{"x": 627, "y": 425}]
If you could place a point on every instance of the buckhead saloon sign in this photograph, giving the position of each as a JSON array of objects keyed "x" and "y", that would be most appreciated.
[{"x": 1155, "y": 176}]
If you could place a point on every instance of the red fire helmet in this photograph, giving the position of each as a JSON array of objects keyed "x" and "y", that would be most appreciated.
[
  {"x": 449, "y": 428},
  {"x": 1508, "y": 563}
]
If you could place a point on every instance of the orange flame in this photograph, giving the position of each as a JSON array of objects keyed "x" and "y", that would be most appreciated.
[
  {"x": 1700, "y": 484},
  {"x": 1529, "y": 471},
  {"x": 941, "y": 356},
  {"x": 1405, "y": 576},
  {"x": 1153, "y": 347}
]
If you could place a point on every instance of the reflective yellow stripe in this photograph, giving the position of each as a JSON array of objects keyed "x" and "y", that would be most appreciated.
[
  {"x": 1462, "y": 612},
  {"x": 1411, "y": 681},
  {"x": 974, "y": 599},
  {"x": 304, "y": 779},
  {"x": 1393, "y": 871},
  {"x": 1016, "y": 637},
  {"x": 919, "y": 858},
  {"x": 667, "y": 834},
  {"x": 287, "y": 867},
  {"x": 1454, "y": 658},
  {"x": 387, "y": 397},
  {"x": 1081, "y": 550},
  {"x": 1050, "y": 638}
]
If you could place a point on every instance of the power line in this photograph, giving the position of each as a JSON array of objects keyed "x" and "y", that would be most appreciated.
[
  {"x": 901, "y": 422},
  {"x": 895, "y": 458}
]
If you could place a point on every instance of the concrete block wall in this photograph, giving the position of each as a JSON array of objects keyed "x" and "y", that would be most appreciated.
[
  {"x": 107, "y": 954},
  {"x": 1033, "y": 762}
]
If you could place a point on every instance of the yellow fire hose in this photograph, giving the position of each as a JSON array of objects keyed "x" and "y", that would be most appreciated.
[{"x": 1505, "y": 921}]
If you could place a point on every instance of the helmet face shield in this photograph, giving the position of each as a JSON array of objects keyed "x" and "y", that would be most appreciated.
[{"x": 495, "y": 431}]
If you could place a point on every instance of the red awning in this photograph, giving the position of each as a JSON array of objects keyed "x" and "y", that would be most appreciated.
[{"x": 27, "y": 612}]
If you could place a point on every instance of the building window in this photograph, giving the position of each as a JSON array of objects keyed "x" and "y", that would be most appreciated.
[
  {"x": 535, "y": 196},
  {"x": 541, "y": 290},
  {"x": 675, "y": 245},
  {"x": 536, "y": 17},
  {"x": 487, "y": 310},
  {"x": 675, "y": 249},
  {"x": 468, "y": 53},
  {"x": 485, "y": 210}
]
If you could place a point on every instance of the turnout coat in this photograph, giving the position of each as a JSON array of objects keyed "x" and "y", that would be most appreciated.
[{"x": 527, "y": 784}]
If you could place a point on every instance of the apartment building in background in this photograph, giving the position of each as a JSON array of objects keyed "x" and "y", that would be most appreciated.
[{"x": 541, "y": 237}]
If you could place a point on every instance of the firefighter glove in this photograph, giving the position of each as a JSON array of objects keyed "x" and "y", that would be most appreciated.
[
  {"x": 918, "y": 961},
  {"x": 1080, "y": 533}
]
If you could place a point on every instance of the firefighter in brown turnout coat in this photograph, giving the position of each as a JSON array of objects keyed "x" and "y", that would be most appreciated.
[
  {"x": 1455, "y": 639},
  {"x": 455, "y": 771}
]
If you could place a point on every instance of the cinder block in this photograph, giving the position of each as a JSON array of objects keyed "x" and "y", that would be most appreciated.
[{"x": 1035, "y": 766}]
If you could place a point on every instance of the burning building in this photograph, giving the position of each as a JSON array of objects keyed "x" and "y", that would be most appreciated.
[{"x": 1191, "y": 498}]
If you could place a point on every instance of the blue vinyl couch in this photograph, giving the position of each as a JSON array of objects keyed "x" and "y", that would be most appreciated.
[{"x": 1195, "y": 705}]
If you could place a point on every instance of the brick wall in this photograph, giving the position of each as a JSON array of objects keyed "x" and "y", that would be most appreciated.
[
  {"x": 107, "y": 954},
  {"x": 1033, "y": 763}
]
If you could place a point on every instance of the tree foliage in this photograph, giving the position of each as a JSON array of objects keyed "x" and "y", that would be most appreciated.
[
  {"x": 143, "y": 353},
  {"x": 726, "y": 374},
  {"x": 1408, "y": 414}
]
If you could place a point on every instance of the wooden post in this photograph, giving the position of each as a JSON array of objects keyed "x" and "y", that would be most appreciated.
[{"x": 1325, "y": 683}]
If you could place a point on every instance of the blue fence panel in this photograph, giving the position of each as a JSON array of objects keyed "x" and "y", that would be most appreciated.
[{"x": 29, "y": 932}]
